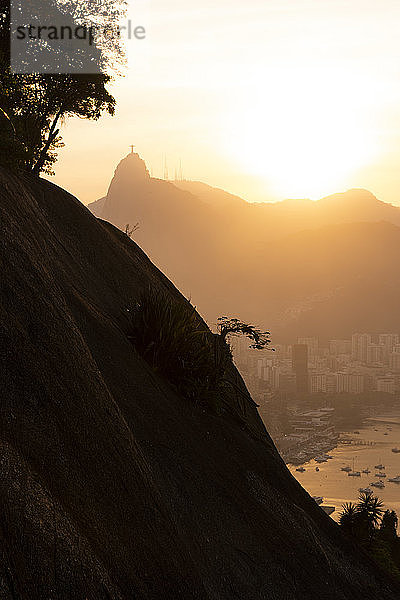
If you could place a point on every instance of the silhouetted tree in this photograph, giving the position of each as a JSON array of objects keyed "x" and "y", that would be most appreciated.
[
  {"x": 176, "y": 343},
  {"x": 362, "y": 519},
  {"x": 378, "y": 534},
  {"x": 227, "y": 327},
  {"x": 370, "y": 510},
  {"x": 349, "y": 518},
  {"x": 33, "y": 105},
  {"x": 129, "y": 230},
  {"x": 388, "y": 527},
  {"x": 370, "y": 507}
]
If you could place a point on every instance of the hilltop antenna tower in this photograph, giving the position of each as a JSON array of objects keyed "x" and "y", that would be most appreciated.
[
  {"x": 166, "y": 174},
  {"x": 180, "y": 170}
]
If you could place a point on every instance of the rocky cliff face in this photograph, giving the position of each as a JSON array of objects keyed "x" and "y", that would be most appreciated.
[{"x": 112, "y": 486}]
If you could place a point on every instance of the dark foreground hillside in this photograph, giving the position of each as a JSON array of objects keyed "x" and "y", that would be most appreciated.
[{"x": 112, "y": 486}]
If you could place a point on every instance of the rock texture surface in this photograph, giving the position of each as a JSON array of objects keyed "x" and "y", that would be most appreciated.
[{"x": 111, "y": 485}]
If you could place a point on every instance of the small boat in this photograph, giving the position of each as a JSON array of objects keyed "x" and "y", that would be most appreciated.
[
  {"x": 317, "y": 469},
  {"x": 353, "y": 472},
  {"x": 380, "y": 474},
  {"x": 378, "y": 484},
  {"x": 320, "y": 459},
  {"x": 386, "y": 433},
  {"x": 300, "y": 469},
  {"x": 379, "y": 467},
  {"x": 367, "y": 471},
  {"x": 346, "y": 469},
  {"x": 365, "y": 490},
  {"x": 318, "y": 499},
  {"x": 396, "y": 450},
  {"x": 395, "y": 479}
]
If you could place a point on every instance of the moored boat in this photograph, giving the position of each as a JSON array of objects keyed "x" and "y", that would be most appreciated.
[{"x": 379, "y": 484}]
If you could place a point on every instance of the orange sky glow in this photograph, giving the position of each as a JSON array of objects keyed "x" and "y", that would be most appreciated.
[{"x": 266, "y": 99}]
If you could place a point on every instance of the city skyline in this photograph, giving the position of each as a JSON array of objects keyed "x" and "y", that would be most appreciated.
[{"x": 365, "y": 362}]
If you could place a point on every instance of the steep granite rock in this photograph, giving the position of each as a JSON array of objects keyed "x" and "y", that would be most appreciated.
[{"x": 112, "y": 486}]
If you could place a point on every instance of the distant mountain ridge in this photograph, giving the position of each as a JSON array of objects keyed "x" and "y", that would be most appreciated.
[
  {"x": 288, "y": 265},
  {"x": 211, "y": 195}
]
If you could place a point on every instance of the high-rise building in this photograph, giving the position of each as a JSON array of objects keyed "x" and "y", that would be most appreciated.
[
  {"x": 323, "y": 382},
  {"x": 261, "y": 364},
  {"x": 287, "y": 382},
  {"x": 331, "y": 383},
  {"x": 318, "y": 383},
  {"x": 394, "y": 361},
  {"x": 311, "y": 343},
  {"x": 359, "y": 345},
  {"x": 352, "y": 383},
  {"x": 385, "y": 384},
  {"x": 375, "y": 354},
  {"x": 300, "y": 367},
  {"x": 333, "y": 363},
  {"x": 356, "y": 383},
  {"x": 275, "y": 375},
  {"x": 388, "y": 341},
  {"x": 337, "y": 347}
]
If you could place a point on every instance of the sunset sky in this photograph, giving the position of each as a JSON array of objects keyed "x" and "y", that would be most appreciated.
[{"x": 265, "y": 98}]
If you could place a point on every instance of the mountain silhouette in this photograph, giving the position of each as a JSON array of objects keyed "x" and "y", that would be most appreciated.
[
  {"x": 113, "y": 486},
  {"x": 297, "y": 267}
]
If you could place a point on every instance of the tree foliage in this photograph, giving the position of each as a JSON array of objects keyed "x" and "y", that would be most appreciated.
[
  {"x": 227, "y": 327},
  {"x": 388, "y": 527},
  {"x": 176, "y": 343},
  {"x": 374, "y": 529},
  {"x": 362, "y": 519},
  {"x": 32, "y": 106},
  {"x": 370, "y": 508},
  {"x": 348, "y": 518}
]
